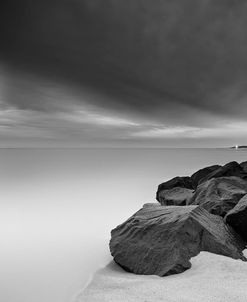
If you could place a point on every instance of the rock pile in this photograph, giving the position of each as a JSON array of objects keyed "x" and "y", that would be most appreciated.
[
  {"x": 206, "y": 211},
  {"x": 219, "y": 195}
]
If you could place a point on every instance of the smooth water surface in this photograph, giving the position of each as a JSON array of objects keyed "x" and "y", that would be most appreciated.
[{"x": 59, "y": 205}]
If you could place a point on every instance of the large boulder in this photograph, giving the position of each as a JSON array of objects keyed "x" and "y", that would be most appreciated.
[
  {"x": 176, "y": 196},
  {"x": 202, "y": 174},
  {"x": 231, "y": 169},
  {"x": 182, "y": 182},
  {"x": 160, "y": 240},
  {"x": 219, "y": 195},
  {"x": 237, "y": 218}
]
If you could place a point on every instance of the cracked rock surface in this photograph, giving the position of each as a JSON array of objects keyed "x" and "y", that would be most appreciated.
[
  {"x": 219, "y": 195},
  {"x": 160, "y": 240}
]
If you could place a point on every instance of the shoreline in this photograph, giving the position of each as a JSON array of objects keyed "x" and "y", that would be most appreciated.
[{"x": 213, "y": 278}]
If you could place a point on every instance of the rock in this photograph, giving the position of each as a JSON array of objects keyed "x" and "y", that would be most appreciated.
[
  {"x": 176, "y": 196},
  {"x": 202, "y": 173},
  {"x": 160, "y": 240},
  {"x": 219, "y": 195},
  {"x": 237, "y": 218},
  {"x": 182, "y": 182},
  {"x": 244, "y": 166},
  {"x": 230, "y": 169}
]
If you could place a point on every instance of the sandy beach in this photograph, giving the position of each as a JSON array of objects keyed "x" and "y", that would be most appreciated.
[{"x": 212, "y": 278}]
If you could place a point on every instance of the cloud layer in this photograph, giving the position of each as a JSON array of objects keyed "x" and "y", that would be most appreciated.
[{"x": 142, "y": 69}]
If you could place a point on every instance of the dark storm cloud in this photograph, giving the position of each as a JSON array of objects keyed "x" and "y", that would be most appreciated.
[{"x": 146, "y": 56}]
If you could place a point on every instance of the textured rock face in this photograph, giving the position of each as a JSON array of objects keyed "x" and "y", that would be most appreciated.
[
  {"x": 202, "y": 173},
  {"x": 176, "y": 196},
  {"x": 219, "y": 195},
  {"x": 161, "y": 240},
  {"x": 230, "y": 169},
  {"x": 237, "y": 218},
  {"x": 244, "y": 166},
  {"x": 182, "y": 182}
]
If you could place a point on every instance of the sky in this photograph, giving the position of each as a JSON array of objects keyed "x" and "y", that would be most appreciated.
[{"x": 123, "y": 73}]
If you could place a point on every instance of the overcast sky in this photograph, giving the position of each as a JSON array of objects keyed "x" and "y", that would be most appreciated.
[{"x": 123, "y": 73}]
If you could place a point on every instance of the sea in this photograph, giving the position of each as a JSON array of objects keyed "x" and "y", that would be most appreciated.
[{"x": 58, "y": 206}]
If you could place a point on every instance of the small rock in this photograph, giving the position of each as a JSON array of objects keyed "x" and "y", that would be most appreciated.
[
  {"x": 244, "y": 166},
  {"x": 231, "y": 169},
  {"x": 182, "y": 182},
  {"x": 176, "y": 196},
  {"x": 202, "y": 173}
]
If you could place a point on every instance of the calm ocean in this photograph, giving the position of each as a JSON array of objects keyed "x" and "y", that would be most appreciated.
[{"x": 59, "y": 205}]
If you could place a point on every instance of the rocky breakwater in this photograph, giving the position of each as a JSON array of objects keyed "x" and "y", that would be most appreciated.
[{"x": 206, "y": 211}]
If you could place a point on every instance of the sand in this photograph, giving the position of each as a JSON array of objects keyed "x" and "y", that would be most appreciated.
[{"x": 212, "y": 278}]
